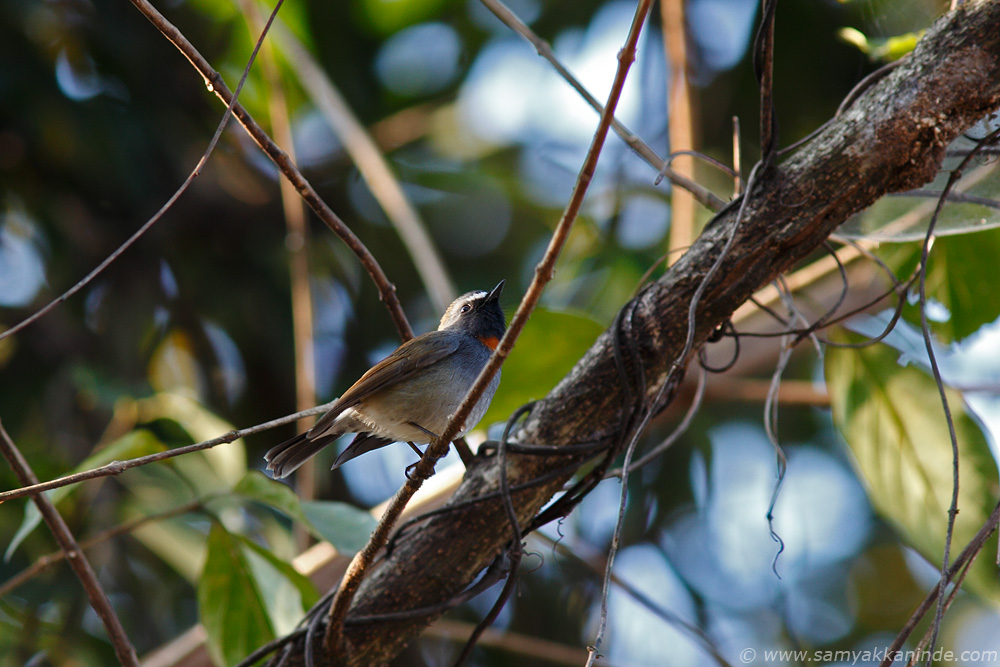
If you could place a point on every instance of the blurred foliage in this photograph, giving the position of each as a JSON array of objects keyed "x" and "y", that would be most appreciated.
[
  {"x": 189, "y": 332},
  {"x": 891, "y": 416}
]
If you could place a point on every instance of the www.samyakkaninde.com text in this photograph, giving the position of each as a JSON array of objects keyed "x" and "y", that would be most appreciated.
[{"x": 819, "y": 656}]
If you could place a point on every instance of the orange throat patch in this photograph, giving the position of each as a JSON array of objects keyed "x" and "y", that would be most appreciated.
[{"x": 490, "y": 342}]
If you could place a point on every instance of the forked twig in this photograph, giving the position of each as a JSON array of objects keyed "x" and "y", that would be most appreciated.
[
  {"x": 118, "y": 467},
  {"x": 81, "y": 566},
  {"x": 705, "y": 197},
  {"x": 969, "y": 554},
  {"x": 543, "y": 274},
  {"x": 87, "y": 279},
  {"x": 215, "y": 83}
]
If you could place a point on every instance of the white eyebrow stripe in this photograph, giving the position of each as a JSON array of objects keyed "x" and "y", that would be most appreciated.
[{"x": 474, "y": 296}]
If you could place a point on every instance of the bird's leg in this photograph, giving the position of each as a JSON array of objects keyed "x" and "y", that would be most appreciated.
[
  {"x": 430, "y": 434},
  {"x": 460, "y": 446}
]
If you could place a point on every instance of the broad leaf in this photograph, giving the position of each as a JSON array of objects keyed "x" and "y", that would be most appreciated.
[
  {"x": 892, "y": 419},
  {"x": 231, "y": 604},
  {"x": 256, "y": 486},
  {"x": 551, "y": 343},
  {"x": 344, "y": 526},
  {"x": 286, "y": 591},
  {"x": 129, "y": 446}
]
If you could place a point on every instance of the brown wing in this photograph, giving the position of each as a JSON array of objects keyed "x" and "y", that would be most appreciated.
[{"x": 408, "y": 358}]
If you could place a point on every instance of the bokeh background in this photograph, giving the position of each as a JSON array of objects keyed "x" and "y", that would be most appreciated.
[{"x": 189, "y": 332}]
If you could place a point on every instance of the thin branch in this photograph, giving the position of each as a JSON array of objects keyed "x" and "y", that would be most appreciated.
[
  {"x": 704, "y": 196},
  {"x": 543, "y": 274},
  {"x": 118, "y": 467},
  {"x": 968, "y": 555},
  {"x": 681, "y": 125},
  {"x": 86, "y": 280},
  {"x": 81, "y": 566},
  {"x": 372, "y": 166},
  {"x": 929, "y": 345},
  {"x": 215, "y": 83},
  {"x": 763, "y": 61},
  {"x": 48, "y": 560},
  {"x": 737, "y": 159},
  {"x": 669, "y": 617}
]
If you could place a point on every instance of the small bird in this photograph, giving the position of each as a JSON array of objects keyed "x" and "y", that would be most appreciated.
[{"x": 410, "y": 395}]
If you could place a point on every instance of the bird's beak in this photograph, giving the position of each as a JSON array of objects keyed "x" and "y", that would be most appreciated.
[{"x": 494, "y": 294}]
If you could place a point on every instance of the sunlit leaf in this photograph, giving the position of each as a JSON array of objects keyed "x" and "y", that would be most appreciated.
[
  {"x": 960, "y": 276},
  {"x": 884, "y": 49},
  {"x": 549, "y": 346},
  {"x": 892, "y": 419},
  {"x": 131, "y": 445},
  {"x": 973, "y": 204},
  {"x": 344, "y": 526},
  {"x": 257, "y": 486},
  {"x": 287, "y": 591},
  {"x": 218, "y": 468},
  {"x": 231, "y": 605},
  {"x": 174, "y": 366}
]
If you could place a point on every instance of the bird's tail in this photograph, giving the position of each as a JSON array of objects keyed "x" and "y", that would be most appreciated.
[
  {"x": 283, "y": 459},
  {"x": 362, "y": 444}
]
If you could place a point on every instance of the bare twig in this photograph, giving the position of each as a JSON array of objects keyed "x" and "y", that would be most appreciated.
[
  {"x": 699, "y": 394},
  {"x": 681, "y": 126},
  {"x": 216, "y": 84},
  {"x": 118, "y": 467},
  {"x": 928, "y": 343},
  {"x": 763, "y": 60},
  {"x": 163, "y": 209},
  {"x": 373, "y": 167},
  {"x": 81, "y": 566},
  {"x": 704, "y": 196},
  {"x": 737, "y": 159},
  {"x": 969, "y": 554},
  {"x": 543, "y": 274},
  {"x": 48, "y": 560}
]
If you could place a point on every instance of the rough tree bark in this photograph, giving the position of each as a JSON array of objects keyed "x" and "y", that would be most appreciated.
[{"x": 892, "y": 138}]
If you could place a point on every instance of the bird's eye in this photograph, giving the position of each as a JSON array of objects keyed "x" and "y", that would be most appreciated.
[{"x": 466, "y": 308}]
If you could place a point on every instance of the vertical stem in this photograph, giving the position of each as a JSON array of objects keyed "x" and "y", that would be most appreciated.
[
  {"x": 680, "y": 122},
  {"x": 297, "y": 244},
  {"x": 349, "y": 586},
  {"x": 81, "y": 566}
]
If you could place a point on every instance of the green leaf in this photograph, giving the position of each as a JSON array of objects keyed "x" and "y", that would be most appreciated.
[
  {"x": 551, "y": 343},
  {"x": 287, "y": 592},
  {"x": 968, "y": 286},
  {"x": 960, "y": 277},
  {"x": 894, "y": 424},
  {"x": 885, "y": 49},
  {"x": 129, "y": 446},
  {"x": 344, "y": 526},
  {"x": 214, "y": 469},
  {"x": 231, "y": 605},
  {"x": 257, "y": 486}
]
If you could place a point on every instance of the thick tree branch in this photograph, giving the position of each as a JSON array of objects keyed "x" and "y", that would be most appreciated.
[{"x": 893, "y": 137}]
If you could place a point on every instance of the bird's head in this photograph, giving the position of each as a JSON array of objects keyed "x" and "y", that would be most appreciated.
[{"x": 477, "y": 313}]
